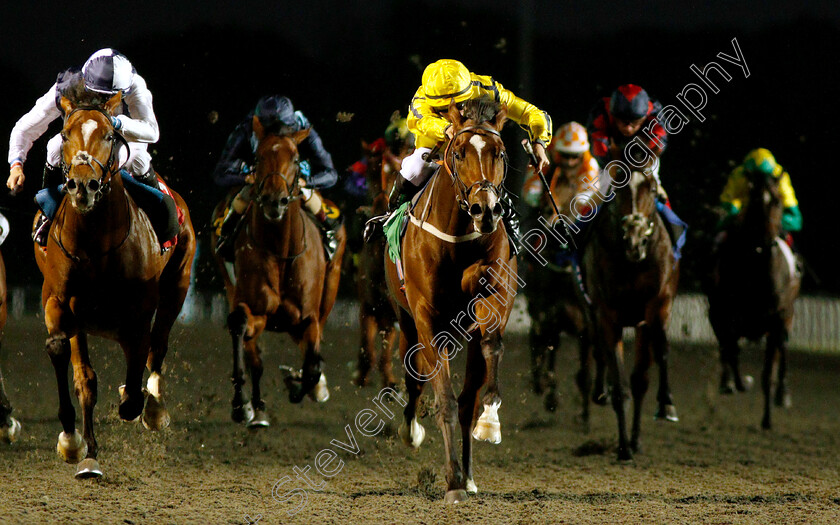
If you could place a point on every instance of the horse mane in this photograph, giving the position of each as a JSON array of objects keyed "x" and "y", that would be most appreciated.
[
  {"x": 481, "y": 110},
  {"x": 80, "y": 97}
]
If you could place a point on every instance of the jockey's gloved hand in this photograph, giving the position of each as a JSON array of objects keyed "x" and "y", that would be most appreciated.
[{"x": 305, "y": 169}]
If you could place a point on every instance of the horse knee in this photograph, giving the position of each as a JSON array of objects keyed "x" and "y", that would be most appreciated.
[
  {"x": 237, "y": 321},
  {"x": 58, "y": 346}
]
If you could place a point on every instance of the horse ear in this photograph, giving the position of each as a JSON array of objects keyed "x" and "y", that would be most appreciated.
[
  {"x": 257, "y": 126},
  {"x": 299, "y": 136},
  {"x": 365, "y": 146},
  {"x": 113, "y": 103},
  {"x": 501, "y": 117},
  {"x": 66, "y": 105},
  {"x": 454, "y": 114}
]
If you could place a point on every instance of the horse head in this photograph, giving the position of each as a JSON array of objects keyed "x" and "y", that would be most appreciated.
[
  {"x": 763, "y": 211},
  {"x": 89, "y": 151},
  {"x": 637, "y": 205},
  {"x": 476, "y": 160},
  {"x": 277, "y": 171}
]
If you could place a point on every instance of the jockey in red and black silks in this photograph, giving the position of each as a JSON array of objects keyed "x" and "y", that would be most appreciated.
[{"x": 616, "y": 121}]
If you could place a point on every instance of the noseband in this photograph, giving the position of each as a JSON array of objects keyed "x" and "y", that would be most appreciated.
[
  {"x": 449, "y": 163},
  {"x": 636, "y": 219},
  {"x": 106, "y": 170},
  {"x": 294, "y": 190}
]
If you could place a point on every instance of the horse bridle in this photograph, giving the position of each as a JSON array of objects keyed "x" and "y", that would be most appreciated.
[
  {"x": 294, "y": 190},
  {"x": 105, "y": 169},
  {"x": 634, "y": 218},
  {"x": 449, "y": 164}
]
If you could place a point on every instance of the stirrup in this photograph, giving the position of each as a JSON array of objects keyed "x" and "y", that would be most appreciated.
[
  {"x": 373, "y": 226},
  {"x": 42, "y": 230}
]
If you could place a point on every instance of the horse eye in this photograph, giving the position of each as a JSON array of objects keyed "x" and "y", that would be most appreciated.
[{"x": 64, "y": 136}]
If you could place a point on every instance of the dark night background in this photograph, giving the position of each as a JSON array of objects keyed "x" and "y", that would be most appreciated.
[{"x": 366, "y": 58}]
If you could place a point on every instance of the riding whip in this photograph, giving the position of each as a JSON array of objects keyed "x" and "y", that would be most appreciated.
[{"x": 529, "y": 149}]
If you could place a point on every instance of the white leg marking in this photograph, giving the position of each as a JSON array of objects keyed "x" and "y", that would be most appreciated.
[
  {"x": 488, "y": 427},
  {"x": 414, "y": 434},
  {"x": 471, "y": 487},
  {"x": 153, "y": 384}
]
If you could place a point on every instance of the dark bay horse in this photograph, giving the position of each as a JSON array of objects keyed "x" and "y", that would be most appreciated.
[
  {"x": 754, "y": 285},
  {"x": 9, "y": 426},
  {"x": 556, "y": 307},
  {"x": 376, "y": 315},
  {"x": 283, "y": 281},
  {"x": 631, "y": 277},
  {"x": 104, "y": 274},
  {"x": 460, "y": 281}
]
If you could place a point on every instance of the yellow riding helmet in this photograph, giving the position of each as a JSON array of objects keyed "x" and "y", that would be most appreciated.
[
  {"x": 571, "y": 137},
  {"x": 762, "y": 161},
  {"x": 445, "y": 80}
]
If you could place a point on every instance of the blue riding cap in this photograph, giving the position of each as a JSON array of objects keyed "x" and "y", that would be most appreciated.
[{"x": 275, "y": 109}]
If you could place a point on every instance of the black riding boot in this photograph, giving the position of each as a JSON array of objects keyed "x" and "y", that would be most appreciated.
[
  {"x": 149, "y": 178},
  {"x": 329, "y": 226},
  {"x": 401, "y": 192},
  {"x": 510, "y": 218},
  {"x": 51, "y": 178}
]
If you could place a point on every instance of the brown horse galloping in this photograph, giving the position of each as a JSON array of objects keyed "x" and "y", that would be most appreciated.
[
  {"x": 631, "y": 277},
  {"x": 460, "y": 281},
  {"x": 753, "y": 288},
  {"x": 283, "y": 281},
  {"x": 9, "y": 426},
  {"x": 104, "y": 274},
  {"x": 376, "y": 315}
]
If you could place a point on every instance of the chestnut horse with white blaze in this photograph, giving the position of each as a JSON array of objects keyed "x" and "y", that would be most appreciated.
[
  {"x": 104, "y": 274},
  {"x": 283, "y": 281},
  {"x": 460, "y": 282}
]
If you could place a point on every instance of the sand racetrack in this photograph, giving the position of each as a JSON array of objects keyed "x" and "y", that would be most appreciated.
[{"x": 714, "y": 466}]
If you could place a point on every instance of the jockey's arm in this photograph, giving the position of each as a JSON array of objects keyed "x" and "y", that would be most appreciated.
[
  {"x": 530, "y": 118},
  {"x": 236, "y": 160},
  {"x": 26, "y": 131},
  {"x": 322, "y": 172},
  {"x": 428, "y": 127},
  {"x": 791, "y": 216},
  {"x": 142, "y": 125}
]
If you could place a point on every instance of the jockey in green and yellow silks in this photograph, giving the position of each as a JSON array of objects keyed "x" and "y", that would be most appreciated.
[{"x": 736, "y": 191}]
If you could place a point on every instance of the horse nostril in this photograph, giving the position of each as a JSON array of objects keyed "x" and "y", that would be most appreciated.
[
  {"x": 284, "y": 201},
  {"x": 476, "y": 209},
  {"x": 93, "y": 185},
  {"x": 497, "y": 208},
  {"x": 71, "y": 184}
]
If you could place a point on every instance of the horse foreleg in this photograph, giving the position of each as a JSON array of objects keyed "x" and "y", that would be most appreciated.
[
  {"x": 583, "y": 378},
  {"x": 538, "y": 345},
  {"x": 447, "y": 417},
  {"x": 135, "y": 345},
  {"x": 237, "y": 322},
  {"x": 411, "y": 431},
  {"x": 665, "y": 408},
  {"x": 613, "y": 348},
  {"x": 475, "y": 376},
  {"x": 775, "y": 340},
  {"x": 313, "y": 380},
  {"x": 639, "y": 382},
  {"x": 550, "y": 372},
  {"x": 488, "y": 427},
  {"x": 782, "y": 397},
  {"x": 9, "y": 426},
  {"x": 367, "y": 348},
  {"x": 385, "y": 355},
  {"x": 255, "y": 364},
  {"x": 730, "y": 376},
  {"x": 84, "y": 378}
]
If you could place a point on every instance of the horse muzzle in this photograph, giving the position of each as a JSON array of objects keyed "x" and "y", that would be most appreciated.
[
  {"x": 84, "y": 193},
  {"x": 275, "y": 209},
  {"x": 486, "y": 211}
]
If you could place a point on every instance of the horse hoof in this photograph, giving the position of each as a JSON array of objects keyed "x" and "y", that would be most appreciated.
[
  {"x": 9, "y": 434},
  {"x": 155, "y": 415},
  {"x": 488, "y": 427},
  {"x": 666, "y": 413},
  {"x": 412, "y": 436},
  {"x": 551, "y": 402},
  {"x": 783, "y": 398},
  {"x": 746, "y": 384},
  {"x": 765, "y": 423},
  {"x": 130, "y": 407},
  {"x": 455, "y": 496},
  {"x": 242, "y": 414},
  {"x": 259, "y": 420},
  {"x": 359, "y": 379},
  {"x": 727, "y": 387},
  {"x": 471, "y": 487},
  {"x": 320, "y": 392},
  {"x": 71, "y": 448},
  {"x": 88, "y": 468},
  {"x": 624, "y": 455},
  {"x": 601, "y": 399}
]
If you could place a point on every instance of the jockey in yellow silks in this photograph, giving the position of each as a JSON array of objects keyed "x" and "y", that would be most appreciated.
[
  {"x": 445, "y": 81},
  {"x": 736, "y": 191}
]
